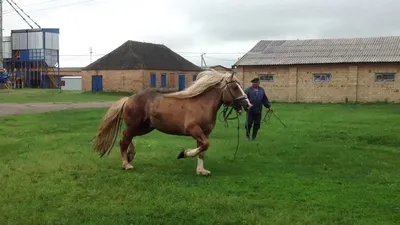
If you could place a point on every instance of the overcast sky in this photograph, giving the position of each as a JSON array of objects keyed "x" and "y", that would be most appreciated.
[{"x": 224, "y": 29}]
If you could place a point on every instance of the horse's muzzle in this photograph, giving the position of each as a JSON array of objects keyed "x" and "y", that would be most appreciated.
[
  {"x": 245, "y": 103},
  {"x": 247, "y": 106},
  {"x": 242, "y": 102}
]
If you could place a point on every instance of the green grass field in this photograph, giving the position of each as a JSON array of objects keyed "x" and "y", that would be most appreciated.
[
  {"x": 53, "y": 95},
  {"x": 334, "y": 164}
]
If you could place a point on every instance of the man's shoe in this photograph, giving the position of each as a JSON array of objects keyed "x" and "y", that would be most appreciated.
[{"x": 254, "y": 136}]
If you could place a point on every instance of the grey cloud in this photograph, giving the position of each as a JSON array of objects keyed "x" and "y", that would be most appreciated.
[{"x": 237, "y": 20}]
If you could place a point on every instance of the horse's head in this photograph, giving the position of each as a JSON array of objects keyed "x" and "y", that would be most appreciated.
[{"x": 234, "y": 94}]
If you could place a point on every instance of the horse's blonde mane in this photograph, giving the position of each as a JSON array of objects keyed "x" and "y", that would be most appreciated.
[{"x": 204, "y": 81}]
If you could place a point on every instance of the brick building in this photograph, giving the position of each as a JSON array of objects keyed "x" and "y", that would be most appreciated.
[
  {"x": 134, "y": 66},
  {"x": 70, "y": 71},
  {"x": 325, "y": 70}
]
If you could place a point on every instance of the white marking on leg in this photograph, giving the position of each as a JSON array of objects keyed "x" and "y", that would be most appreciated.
[
  {"x": 200, "y": 164},
  {"x": 200, "y": 167},
  {"x": 192, "y": 152}
]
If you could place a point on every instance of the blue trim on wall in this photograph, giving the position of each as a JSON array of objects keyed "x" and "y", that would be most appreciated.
[
  {"x": 153, "y": 80},
  {"x": 182, "y": 82},
  {"x": 163, "y": 80}
]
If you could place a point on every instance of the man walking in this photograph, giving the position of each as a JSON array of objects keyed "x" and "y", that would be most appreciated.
[{"x": 257, "y": 98}]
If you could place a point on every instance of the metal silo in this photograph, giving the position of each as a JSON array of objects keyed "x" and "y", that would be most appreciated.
[{"x": 35, "y": 57}]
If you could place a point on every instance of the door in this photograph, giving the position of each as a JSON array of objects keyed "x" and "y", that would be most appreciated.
[
  {"x": 181, "y": 82},
  {"x": 97, "y": 83}
]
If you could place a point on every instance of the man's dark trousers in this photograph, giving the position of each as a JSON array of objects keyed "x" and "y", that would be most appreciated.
[{"x": 253, "y": 119}]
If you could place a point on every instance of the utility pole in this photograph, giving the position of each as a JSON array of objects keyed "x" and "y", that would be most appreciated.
[
  {"x": 1, "y": 34},
  {"x": 203, "y": 61},
  {"x": 90, "y": 51}
]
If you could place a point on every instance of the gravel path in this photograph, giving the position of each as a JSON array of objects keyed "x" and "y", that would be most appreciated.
[{"x": 8, "y": 109}]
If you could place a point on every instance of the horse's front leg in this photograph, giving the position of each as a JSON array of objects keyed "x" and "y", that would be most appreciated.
[
  {"x": 202, "y": 146},
  {"x": 200, "y": 165}
]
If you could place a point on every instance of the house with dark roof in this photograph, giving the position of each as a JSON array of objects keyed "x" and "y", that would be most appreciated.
[
  {"x": 134, "y": 66},
  {"x": 325, "y": 70}
]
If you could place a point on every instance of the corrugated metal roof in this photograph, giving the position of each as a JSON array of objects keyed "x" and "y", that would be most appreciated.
[{"x": 322, "y": 51}]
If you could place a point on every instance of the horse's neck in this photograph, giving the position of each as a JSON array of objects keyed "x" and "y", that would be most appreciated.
[{"x": 213, "y": 99}]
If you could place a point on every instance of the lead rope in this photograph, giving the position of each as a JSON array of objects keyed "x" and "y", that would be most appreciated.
[
  {"x": 238, "y": 137},
  {"x": 267, "y": 117},
  {"x": 226, "y": 115}
]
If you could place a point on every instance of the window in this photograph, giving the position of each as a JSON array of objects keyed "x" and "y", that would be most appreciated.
[
  {"x": 267, "y": 77},
  {"x": 382, "y": 77},
  {"x": 194, "y": 77},
  {"x": 62, "y": 83},
  {"x": 171, "y": 82},
  {"x": 322, "y": 77},
  {"x": 153, "y": 80},
  {"x": 163, "y": 80}
]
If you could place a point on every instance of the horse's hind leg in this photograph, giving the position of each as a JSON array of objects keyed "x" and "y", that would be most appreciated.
[
  {"x": 124, "y": 144},
  {"x": 128, "y": 151},
  {"x": 131, "y": 152}
]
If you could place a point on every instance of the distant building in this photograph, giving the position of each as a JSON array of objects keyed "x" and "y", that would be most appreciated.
[
  {"x": 221, "y": 68},
  {"x": 325, "y": 70},
  {"x": 70, "y": 71},
  {"x": 135, "y": 66}
]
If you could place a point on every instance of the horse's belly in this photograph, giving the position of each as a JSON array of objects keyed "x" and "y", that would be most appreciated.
[{"x": 169, "y": 125}]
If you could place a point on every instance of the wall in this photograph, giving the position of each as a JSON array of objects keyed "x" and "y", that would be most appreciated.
[
  {"x": 134, "y": 80},
  {"x": 349, "y": 82},
  {"x": 172, "y": 79},
  {"x": 71, "y": 84},
  {"x": 115, "y": 80}
]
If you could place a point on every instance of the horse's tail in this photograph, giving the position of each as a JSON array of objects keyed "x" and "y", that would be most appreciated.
[{"x": 109, "y": 127}]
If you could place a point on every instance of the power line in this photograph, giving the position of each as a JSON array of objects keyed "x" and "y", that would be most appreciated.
[
  {"x": 203, "y": 58},
  {"x": 214, "y": 53},
  {"x": 218, "y": 58},
  {"x": 24, "y": 13},
  {"x": 56, "y": 7},
  {"x": 195, "y": 54},
  {"x": 28, "y": 6},
  {"x": 19, "y": 14}
]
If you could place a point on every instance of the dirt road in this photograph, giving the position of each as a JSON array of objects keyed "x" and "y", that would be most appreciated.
[{"x": 7, "y": 109}]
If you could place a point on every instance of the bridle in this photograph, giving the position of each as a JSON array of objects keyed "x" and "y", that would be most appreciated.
[
  {"x": 232, "y": 106},
  {"x": 235, "y": 101}
]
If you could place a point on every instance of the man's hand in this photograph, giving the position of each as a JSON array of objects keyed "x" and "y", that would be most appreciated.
[{"x": 270, "y": 109}]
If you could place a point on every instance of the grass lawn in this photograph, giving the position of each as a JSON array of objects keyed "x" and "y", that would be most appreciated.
[
  {"x": 334, "y": 164},
  {"x": 53, "y": 95}
]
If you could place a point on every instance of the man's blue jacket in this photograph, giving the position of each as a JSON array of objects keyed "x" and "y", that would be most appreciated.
[{"x": 257, "y": 99}]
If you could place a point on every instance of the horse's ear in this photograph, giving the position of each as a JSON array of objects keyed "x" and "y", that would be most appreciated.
[{"x": 232, "y": 75}]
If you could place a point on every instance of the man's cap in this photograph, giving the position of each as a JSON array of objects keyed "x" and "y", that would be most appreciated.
[{"x": 255, "y": 80}]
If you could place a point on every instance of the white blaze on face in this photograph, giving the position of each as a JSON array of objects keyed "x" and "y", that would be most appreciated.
[{"x": 247, "y": 99}]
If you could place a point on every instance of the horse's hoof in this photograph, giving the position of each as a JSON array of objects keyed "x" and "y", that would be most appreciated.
[
  {"x": 203, "y": 172},
  {"x": 128, "y": 167},
  {"x": 181, "y": 155}
]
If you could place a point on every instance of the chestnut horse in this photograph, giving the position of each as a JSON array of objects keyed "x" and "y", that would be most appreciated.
[{"x": 191, "y": 112}]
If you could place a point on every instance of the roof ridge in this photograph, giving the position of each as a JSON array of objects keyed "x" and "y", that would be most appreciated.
[
  {"x": 335, "y": 38},
  {"x": 142, "y": 55},
  {"x": 320, "y": 51}
]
